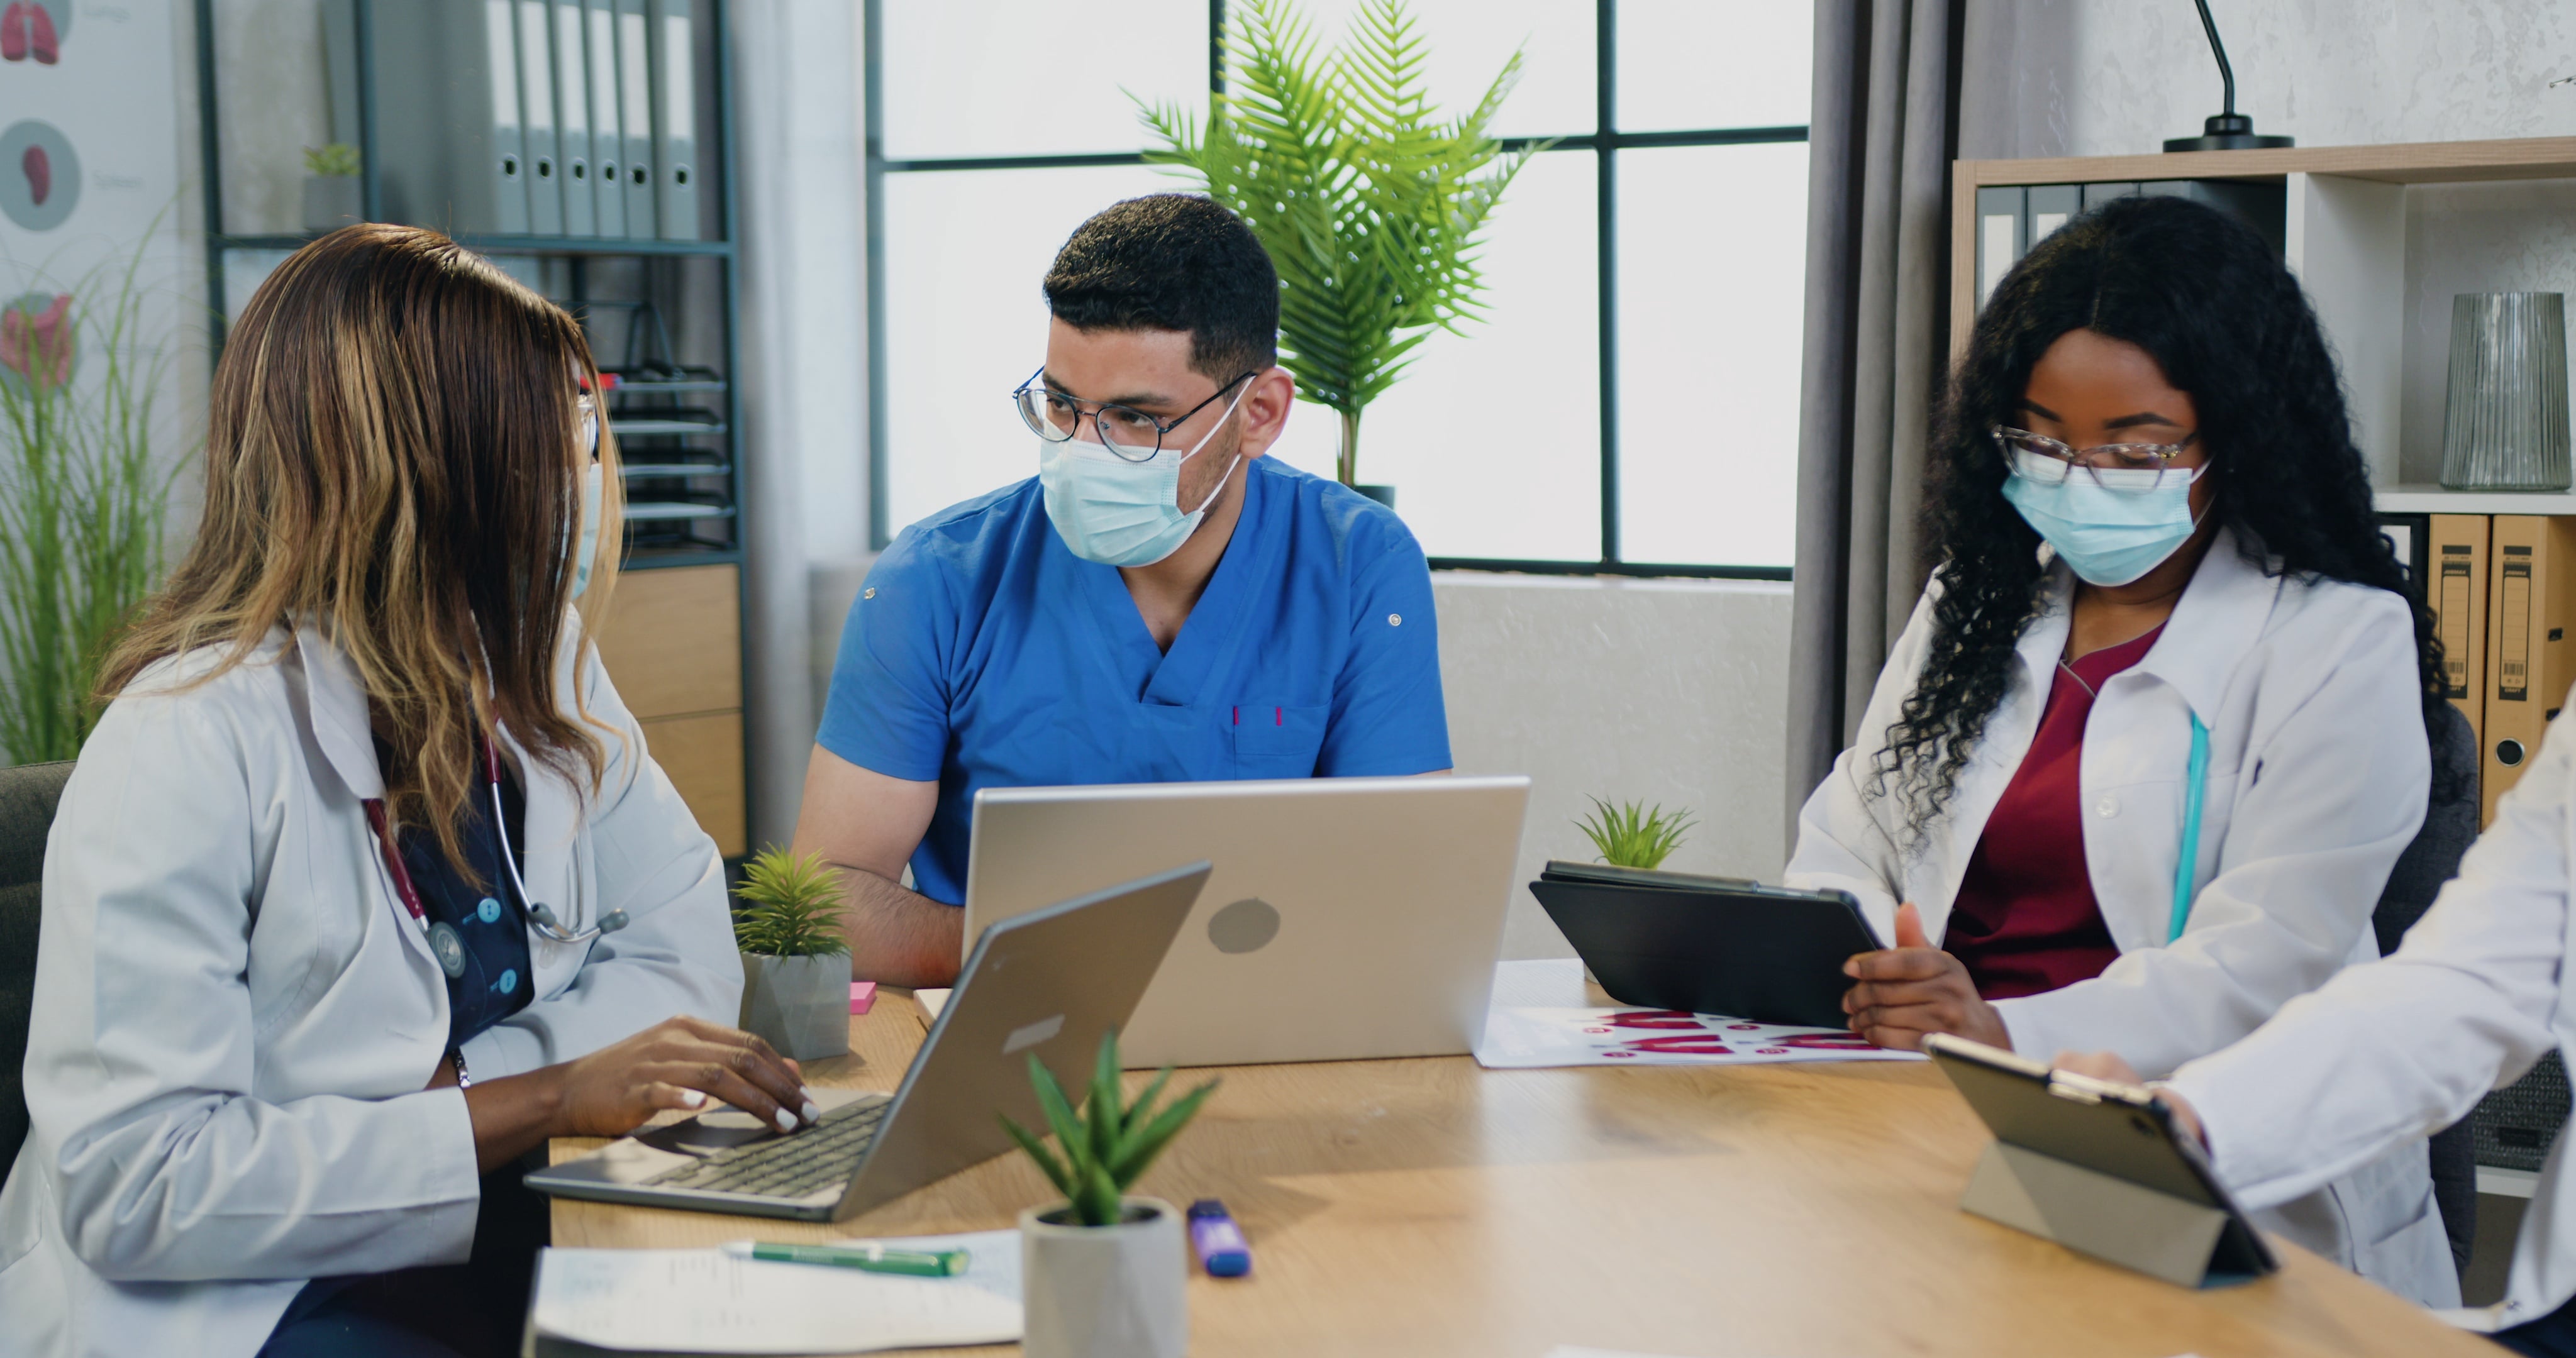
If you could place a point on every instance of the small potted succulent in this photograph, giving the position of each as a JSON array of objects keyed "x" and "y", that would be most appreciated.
[
  {"x": 333, "y": 197},
  {"x": 795, "y": 961},
  {"x": 1103, "y": 1272},
  {"x": 1633, "y": 835}
]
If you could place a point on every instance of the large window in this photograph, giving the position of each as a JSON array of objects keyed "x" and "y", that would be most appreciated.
[{"x": 1629, "y": 406}]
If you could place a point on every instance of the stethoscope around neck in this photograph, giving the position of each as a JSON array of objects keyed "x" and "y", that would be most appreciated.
[{"x": 541, "y": 917}]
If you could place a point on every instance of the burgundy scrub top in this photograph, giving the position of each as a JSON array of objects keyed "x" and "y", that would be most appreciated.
[{"x": 2025, "y": 921}]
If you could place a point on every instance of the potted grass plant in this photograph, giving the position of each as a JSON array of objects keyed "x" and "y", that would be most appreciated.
[
  {"x": 1103, "y": 1272},
  {"x": 1371, "y": 202},
  {"x": 795, "y": 960},
  {"x": 1633, "y": 835},
  {"x": 83, "y": 495}
]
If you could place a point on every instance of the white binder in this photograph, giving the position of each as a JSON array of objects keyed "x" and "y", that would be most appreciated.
[
  {"x": 572, "y": 119},
  {"x": 537, "y": 106},
  {"x": 450, "y": 149},
  {"x": 675, "y": 119},
  {"x": 607, "y": 143},
  {"x": 635, "y": 112}
]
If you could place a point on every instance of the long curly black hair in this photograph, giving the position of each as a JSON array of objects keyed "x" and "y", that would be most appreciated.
[{"x": 2215, "y": 306}]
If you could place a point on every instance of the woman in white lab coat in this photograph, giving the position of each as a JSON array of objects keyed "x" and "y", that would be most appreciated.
[
  {"x": 365, "y": 884},
  {"x": 2137, "y": 770},
  {"x": 2386, "y": 1054}
]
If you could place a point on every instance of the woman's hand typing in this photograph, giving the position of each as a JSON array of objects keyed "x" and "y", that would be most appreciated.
[{"x": 677, "y": 1063}]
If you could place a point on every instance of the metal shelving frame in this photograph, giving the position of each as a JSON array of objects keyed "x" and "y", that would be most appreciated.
[
  {"x": 1604, "y": 142},
  {"x": 578, "y": 249}
]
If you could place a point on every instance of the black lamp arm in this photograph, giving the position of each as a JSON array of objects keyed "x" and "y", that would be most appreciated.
[{"x": 2226, "y": 74}]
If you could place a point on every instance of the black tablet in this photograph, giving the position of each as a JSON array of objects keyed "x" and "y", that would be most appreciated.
[
  {"x": 1708, "y": 945},
  {"x": 2114, "y": 1129}
]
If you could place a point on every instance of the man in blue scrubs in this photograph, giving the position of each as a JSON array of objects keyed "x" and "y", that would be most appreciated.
[{"x": 1160, "y": 603}]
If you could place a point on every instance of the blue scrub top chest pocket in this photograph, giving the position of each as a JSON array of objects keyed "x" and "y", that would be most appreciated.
[{"x": 1277, "y": 740}]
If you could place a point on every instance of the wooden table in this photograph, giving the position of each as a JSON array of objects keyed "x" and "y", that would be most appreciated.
[{"x": 1431, "y": 1207}]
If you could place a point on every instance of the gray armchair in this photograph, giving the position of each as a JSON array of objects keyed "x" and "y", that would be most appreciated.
[{"x": 28, "y": 795}]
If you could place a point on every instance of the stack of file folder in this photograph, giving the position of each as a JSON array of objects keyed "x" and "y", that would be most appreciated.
[{"x": 548, "y": 118}]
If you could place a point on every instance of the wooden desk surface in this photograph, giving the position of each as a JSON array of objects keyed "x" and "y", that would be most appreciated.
[{"x": 1432, "y": 1207}]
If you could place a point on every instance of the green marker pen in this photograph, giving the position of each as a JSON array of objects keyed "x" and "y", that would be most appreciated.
[{"x": 868, "y": 1255}]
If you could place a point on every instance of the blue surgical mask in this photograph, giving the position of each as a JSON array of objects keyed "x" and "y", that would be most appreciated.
[
  {"x": 2108, "y": 531},
  {"x": 586, "y": 543},
  {"x": 1119, "y": 512}
]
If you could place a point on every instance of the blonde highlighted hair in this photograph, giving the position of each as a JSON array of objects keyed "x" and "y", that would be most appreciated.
[{"x": 394, "y": 456}]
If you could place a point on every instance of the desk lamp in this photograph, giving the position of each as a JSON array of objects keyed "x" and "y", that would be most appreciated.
[{"x": 2228, "y": 130}]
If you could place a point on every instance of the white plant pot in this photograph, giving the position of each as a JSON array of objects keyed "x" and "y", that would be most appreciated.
[
  {"x": 1105, "y": 1291},
  {"x": 800, "y": 1005}
]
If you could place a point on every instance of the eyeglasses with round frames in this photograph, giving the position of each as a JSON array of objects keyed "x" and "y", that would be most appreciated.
[
  {"x": 1124, "y": 430},
  {"x": 2112, "y": 466}
]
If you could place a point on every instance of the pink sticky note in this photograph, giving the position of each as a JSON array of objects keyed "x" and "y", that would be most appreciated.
[{"x": 862, "y": 995}]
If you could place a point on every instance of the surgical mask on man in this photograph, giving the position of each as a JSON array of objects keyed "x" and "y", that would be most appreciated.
[
  {"x": 1122, "y": 513},
  {"x": 2111, "y": 530}
]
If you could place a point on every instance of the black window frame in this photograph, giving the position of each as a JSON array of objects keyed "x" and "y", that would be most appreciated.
[{"x": 1604, "y": 142}]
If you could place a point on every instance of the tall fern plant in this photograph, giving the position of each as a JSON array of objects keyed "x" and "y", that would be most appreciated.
[
  {"x": 82, "y": 503},
  {"x": 1371, "y": 203}
]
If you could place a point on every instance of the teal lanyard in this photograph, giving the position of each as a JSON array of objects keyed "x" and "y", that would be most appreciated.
[{"x": 2189, "y": 867}]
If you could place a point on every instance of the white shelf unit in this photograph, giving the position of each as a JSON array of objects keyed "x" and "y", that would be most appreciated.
[
  {"x": 2437, "y": 500},
  {"x": 2379, "y": 261}
]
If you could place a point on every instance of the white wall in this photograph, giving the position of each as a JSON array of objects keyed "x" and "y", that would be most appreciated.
[
  {"x": 2117, "y": 77},
  {"x": 1670, "y": 691},
  {"x": 804, "y": 366}
]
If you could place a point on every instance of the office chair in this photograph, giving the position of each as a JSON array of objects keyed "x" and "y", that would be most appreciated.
[
  {"x": 28, "y": 795},
  {"x": 2450, "y": 826}
]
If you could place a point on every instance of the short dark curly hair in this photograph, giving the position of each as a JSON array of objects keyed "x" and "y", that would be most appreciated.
[
  {"x": 1173, "y": 261},
  {"x": 2225, "y": 319}
]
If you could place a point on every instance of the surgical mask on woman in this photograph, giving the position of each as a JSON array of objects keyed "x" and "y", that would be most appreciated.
[
  {"x": 1120, "y": 512},
  {"x": 2109, "y": 525},
  {"x": 585, "y": 539}
]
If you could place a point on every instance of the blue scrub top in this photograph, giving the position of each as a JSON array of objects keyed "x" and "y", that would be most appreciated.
[{"x": 982, "y": 653}]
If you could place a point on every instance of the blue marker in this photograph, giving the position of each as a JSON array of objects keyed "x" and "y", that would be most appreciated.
[{"x": 1219, "y": 1242}]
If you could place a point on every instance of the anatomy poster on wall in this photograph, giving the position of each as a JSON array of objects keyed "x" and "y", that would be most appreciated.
[{"x": 89, "y": 179}]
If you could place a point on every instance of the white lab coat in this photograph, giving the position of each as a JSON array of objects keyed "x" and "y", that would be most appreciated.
[
  {"x": 2318, "y": 778},
  {"x": 235, "y": 1016},
  {"x": 2390, "y": 1053}
]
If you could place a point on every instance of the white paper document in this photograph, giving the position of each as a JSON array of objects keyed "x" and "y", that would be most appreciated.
[
  {"x": 1539, "y": 1019},
  {"x": 702, "y": 1301}
]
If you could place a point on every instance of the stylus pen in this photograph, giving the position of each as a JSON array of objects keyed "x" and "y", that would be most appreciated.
[{"x": 868, "y": 1255}]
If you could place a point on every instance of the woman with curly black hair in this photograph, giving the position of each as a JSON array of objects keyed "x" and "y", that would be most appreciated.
[{"x": 2142, "y": 760}]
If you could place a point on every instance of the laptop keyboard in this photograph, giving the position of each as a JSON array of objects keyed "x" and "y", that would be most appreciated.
[{"x": 794, "y": 1166}]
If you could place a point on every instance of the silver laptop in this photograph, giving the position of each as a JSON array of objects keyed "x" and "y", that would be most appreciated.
[
  {"x": 1345, "y": 918},
  {"x": 1075, "y": 971}
]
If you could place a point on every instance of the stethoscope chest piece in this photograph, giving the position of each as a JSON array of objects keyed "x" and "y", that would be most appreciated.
[{"x": 448, "y": 948}]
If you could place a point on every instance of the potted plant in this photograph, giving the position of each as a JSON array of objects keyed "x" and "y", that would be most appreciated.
[
  {"x": 795, "y": 961},
  {"x": 1632, "y": 835},
  {"x": 83, "y": 497},
  {"x": 1102, "y": 1273},
  {"x": 1371, "y": 204},
  {"x": 333, "y": 197}
]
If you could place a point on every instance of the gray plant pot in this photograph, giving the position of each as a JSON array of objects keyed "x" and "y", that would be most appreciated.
[
  {"x": 800, "y": 1005},
  {"x": 332, "y": 201},
  {"x": 1105, "y": 1291},
  {"x": 1384, "y": 495}
]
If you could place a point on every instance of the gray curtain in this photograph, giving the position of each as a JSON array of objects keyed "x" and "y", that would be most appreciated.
[{"x": 1883, "y": 131}]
